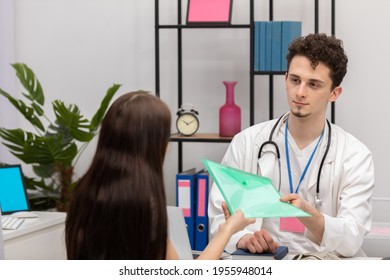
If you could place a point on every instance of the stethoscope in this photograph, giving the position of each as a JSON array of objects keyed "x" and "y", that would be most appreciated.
[{"x": 317, "y": 198}]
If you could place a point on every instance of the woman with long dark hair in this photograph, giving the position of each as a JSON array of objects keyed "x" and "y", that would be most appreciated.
[{"x": 118, "y": 209}]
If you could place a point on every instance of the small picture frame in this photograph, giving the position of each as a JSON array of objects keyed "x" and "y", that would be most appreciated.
[{"x": 209, "y": 12}]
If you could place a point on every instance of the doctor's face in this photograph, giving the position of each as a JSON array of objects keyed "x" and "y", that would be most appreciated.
[{"x": 309, "y": 90}]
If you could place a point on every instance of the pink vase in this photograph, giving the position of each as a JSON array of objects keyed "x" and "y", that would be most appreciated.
[{"x": 230, "y": 113}]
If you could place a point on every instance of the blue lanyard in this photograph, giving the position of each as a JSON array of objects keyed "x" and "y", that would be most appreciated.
[{"x": 288, "y": 160}]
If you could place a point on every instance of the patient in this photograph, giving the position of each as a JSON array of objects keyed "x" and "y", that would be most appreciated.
[{"x": 118, "y": 209}]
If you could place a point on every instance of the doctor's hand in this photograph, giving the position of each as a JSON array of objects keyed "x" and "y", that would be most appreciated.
[
  {"x": 258, "y": 242},
  {"x": 237, "y": 221},
  {"x": 315, "y": 223},
  {"x": 297, "y": 201}
]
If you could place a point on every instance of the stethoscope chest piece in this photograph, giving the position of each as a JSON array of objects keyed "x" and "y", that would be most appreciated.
[{"x": 317, "y": 201}]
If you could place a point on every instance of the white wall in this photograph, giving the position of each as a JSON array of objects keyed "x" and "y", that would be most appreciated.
[
  {"x": 7, "y": 76},
  {"x": 79, "y": 48}
]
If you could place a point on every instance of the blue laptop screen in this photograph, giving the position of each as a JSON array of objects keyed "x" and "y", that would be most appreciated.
[{"x": 13, "y": 196}]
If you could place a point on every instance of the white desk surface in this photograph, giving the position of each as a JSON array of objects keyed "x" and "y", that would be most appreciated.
[
  {"x": 44, "y": 220},
  {"x": 40, "y": 238}
]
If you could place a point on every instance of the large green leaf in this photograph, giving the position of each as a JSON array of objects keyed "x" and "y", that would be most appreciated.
[
  {"x": 71, "y": 118},
  {"x": 44, "y": 195},
  {"x": 33, "y": 149},
  {"x": 98, "y": 117},
  {"x": 15, "y": 140},
  {"x": 30, "y": 82},
  {"x": 14, "y": 136},
  {"x": 46, "y": 151},
  {"x": 57, "y": 128},
  {"x": 44, "y": 171},
  {"x": 40, "y": 185},
  {"x": 26, "y": 111}
]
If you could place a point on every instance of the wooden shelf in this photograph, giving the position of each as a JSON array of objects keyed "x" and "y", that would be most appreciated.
[{"x": 200, "y": 137}]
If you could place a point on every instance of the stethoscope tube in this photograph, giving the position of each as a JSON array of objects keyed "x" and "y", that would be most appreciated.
[
  {"x": 273, "y": 143},
  {"x": 317, "y": 198}
]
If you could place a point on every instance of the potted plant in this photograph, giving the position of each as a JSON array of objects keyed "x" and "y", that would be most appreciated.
[{"x": 52, "y": 149}]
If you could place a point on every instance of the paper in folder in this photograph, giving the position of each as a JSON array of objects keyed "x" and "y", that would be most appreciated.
[{"x": 256, "y": 196}]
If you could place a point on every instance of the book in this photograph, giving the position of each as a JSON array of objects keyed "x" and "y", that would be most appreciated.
[
  {"x": 241, "y": 254},
  {"x": 290, "y": 31},
  {"x": 257, "y": 49},
  {"x": 276, "y": 45},
  {"x": 263, "y": 46},
  {"x": 268, "y": 45}
]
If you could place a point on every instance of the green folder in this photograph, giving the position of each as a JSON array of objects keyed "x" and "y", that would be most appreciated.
[{"x": 256, "y": 196}]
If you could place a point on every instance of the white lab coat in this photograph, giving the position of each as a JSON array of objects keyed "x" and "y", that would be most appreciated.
[{"x": 346, "y": 188}]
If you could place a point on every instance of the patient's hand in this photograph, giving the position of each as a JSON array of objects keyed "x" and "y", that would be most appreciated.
[{"x": 237, "y": 221}]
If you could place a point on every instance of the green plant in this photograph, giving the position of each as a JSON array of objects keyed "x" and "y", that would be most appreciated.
[{"x": 52, "y": 150}]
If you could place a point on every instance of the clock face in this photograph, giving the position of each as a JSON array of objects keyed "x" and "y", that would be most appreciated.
[{"x": 187, "y": 124}]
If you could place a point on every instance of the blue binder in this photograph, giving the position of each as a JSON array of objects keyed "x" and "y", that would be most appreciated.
[
  {"x": 201, "y": 217},
  {"x": 276, "y": 44},
  {"x": 290, "y": 30},
  {"x": 263, "y": 43},
  {"x": 257, "y": 49},
  {"x": 185, "y": 200},
  {"x": 268, "y": 45}
]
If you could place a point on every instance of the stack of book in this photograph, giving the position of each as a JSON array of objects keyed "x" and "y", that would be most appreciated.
[{"x": 272, "y": 39}]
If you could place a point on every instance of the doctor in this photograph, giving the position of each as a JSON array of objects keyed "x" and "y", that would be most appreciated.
[{"x": 322, "y": 169}]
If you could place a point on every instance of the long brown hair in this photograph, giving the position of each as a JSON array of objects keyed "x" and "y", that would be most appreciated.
[{"x": 118, "y": 210}]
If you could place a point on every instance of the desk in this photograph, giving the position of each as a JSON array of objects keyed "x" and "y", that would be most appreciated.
[
  {"x": 377, "y": 242},
  {"x": 39, "y": 238}
]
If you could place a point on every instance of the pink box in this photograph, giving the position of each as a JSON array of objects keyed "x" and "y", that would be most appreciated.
[{"x": 209, "y": 11}]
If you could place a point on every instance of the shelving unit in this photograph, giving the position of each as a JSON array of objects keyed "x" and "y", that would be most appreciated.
[
  {"x": 271, "y": 74},
  {"x": 180, "y": 27}
]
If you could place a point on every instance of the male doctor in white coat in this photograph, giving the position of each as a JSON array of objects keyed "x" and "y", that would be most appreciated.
[{"x": 341, "y": 208}]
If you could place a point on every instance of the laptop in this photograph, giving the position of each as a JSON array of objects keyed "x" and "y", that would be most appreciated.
[
  {"x": 177, "y": 233},
  {"x": 1, "y": 241},
  {"x": 13, "y": 194}
]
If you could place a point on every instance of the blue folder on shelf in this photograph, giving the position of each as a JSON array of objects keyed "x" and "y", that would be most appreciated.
[
  {"x": 268, "y": 45},
  {"x": 185, "y": 198},
  {"x": 201, "y": 217},
  {"x": 262, "y": 45},
  {"x": 290, "y": 31},
  {"x": 257, "y": 48},
  {"x": 276, "y": 46},
  {"x": 256, "y": 196}
]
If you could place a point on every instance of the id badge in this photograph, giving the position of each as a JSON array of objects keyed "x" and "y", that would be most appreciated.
[{"x": 291, "y": 224}]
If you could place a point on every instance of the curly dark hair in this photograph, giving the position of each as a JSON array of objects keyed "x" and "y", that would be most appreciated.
[{"x": 321, "y": 48}]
